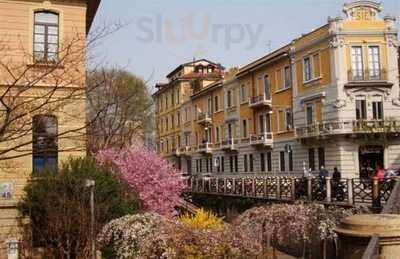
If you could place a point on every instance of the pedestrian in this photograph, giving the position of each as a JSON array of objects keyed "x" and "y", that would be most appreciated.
[
  {"x": 380, "y": 173},
  {"x": 323, "y": 173},
  {"x": 337, "y": 175}
]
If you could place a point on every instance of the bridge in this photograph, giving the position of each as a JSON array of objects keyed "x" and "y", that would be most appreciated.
[{"x": 345, "y": 192}]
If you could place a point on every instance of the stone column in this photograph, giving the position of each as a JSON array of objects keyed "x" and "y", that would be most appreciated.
[{"x": 355, "y": 232}]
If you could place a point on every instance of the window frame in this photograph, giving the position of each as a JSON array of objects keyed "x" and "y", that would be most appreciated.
[
  {"x": 46, "y": 35},
  {"x": 308, "y": 74}
]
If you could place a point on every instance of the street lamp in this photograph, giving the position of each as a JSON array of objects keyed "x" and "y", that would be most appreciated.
[{"x": 91, "y": 184}]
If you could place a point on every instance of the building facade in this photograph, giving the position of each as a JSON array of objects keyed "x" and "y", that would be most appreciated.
[
  {"x": 42, "y": 81},
  {"x": 329, "y": 98}
]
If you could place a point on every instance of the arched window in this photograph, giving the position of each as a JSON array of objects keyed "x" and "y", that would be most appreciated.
[
  {"x": 45, "y": 38},
  {"x": 45, "y": 144}
]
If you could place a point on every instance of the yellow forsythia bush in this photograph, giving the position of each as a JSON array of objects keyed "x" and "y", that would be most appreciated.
[{"x": 203, "y": 220}]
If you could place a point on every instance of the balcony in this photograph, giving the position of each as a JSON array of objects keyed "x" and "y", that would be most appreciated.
[
  {"x": 205, "y": 148},
  {"x": 367, "y": 77},
  {"x": 204, "y": 118},
  {"x": 260, "y": 101},
  {"x": 328, "y": 128},
  {"x": 230, "y": 144},
  {"x": 185, "y": 151},
  {"x": 264, "y": 139}
]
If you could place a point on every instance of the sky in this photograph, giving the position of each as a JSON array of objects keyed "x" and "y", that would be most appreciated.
[{"x": 158, "y": 35}]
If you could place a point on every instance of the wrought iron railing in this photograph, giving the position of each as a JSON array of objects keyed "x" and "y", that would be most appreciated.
[
  {"x": 263, "y": 138},
  {"x": 367, "y": 75},
  {"x": 346, "y": 192},
  {"x": 348, "y": 127},
  {"x": 260, "y": 99}
]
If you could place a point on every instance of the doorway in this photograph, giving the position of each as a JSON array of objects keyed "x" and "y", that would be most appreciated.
[{"x": 370, "y": 157}]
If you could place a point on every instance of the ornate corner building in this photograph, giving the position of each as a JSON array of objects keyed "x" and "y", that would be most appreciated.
[{"x": 329, "y": 98}]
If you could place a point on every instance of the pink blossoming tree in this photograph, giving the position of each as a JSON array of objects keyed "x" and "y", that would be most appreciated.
[{"x": 157, "y": 183}]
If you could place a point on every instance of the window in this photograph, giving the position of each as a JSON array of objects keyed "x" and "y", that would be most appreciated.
[
  {"x": 321, "y": 157},
  {"x": 217, "y": 134},
  {"x": 229, "y": 98},
  {"x": 178, "y": 97},
  {"x": 289, "y": 119},
  {"x": 201, "y": 165},
  {"x": 374, "y": 63},
  {"x": 244, "y": 128},
  {"x": 231, "y": 163},
  {"x": 311, "y": 159},
  {"x": 262, "y": 162},
  {"x": 216, "y": 104},
  {"x": 45, "y": 143},
  {"x": 172, "y": 99},
  {"x": 243, "y": 97},
  {"x": 207, "y": 168},
  {"x": 281, "y": 121},
  {"x": 209, "y": 105},
  {"x": 251, "y": 163},
  {"x": 267, "y": 88},
  {"x": 261, "y": 124},
  {"x": 269, "y": 162},
  {"x": 178, "y": 119},
  {"x": 287, "y": 77},
  {"x": 308, "y": 73},
  {"x": 310, "y": 114},
  {"x": 291, "y": 161},
  {"x": 236, "y": 164},
  {"x": 229, "y": 131},
  {"x": 245, "y": 168},
  {"x": 222, "y": 162},
  {"x": 282, "y": 161},
  {"x": 45, "y": 39},
  {"x": 377, "y": 110},
  {"x": 357, "y": 63},
  {"x": 361, "y": 109},
  {"x": 166, "y": 123},
  {"x": 172, "y": 121}
]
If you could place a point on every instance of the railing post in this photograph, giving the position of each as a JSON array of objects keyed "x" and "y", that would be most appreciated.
[
  {"x": 253, "y": 187},
  {"x": 265, "y": 194},
  {"x": 234, "y": 186},
  {"x": 217, "y": 184},
  {"x": 376, "y": 197},
  {"x": 243, "y": 190},
  {"x": 202, "y": 185},
  {"x": 328, "y": 189},
  {"x": 350, "y": 188},
  {"x": 309, "y": 188},
  {"x": 225, "y": 191},
  {"x": 209, "y": 185},
  {"x": 293, "y": 180},
  {"x": 278, "y": 188}
]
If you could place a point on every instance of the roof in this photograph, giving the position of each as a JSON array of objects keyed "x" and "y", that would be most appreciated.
[
  {"x": 191, "y": 62},
  {"x": 263, "y": 60},
  {"x": 92, "y": 6}
]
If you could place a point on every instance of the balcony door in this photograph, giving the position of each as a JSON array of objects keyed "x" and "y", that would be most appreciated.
[
  {"x": 264, "y": 123},
  {"x": 357, "y": 63},
  {"x": 267, "y": 87}
]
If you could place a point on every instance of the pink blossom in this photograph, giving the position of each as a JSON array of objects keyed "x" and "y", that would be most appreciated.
[{"x": 157, "y": 183}]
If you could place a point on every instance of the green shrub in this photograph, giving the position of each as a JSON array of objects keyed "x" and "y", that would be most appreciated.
[{"x": 59, "y": 209}]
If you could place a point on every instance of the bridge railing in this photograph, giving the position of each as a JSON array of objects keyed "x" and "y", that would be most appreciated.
[{"x": 342, "y": 192}]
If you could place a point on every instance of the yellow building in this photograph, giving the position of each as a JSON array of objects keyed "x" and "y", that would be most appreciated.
[
  {"x": 329, "y": 98},
  {"x": 42, "y": 78}
]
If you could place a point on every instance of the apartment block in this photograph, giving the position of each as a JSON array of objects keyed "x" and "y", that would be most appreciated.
[{"x": 328, "y": 98}]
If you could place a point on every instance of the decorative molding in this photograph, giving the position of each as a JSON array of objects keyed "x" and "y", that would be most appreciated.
[
  {"x": 396, "y": 102},
  {"x": 339, "y": 103}
]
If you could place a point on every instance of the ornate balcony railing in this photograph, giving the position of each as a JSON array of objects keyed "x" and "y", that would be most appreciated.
[
  {"x": 206, "y": 147},
  {"x": 185, "y": 151},
  {"x": 367, "y": 75},
  {"x": 348, "y": 127},
  {"x": 229, "y": 144},
  {"x": 264, "y": 139},
  {"x": 204, "y": 118},
  {"x": 260, "y": 101}
]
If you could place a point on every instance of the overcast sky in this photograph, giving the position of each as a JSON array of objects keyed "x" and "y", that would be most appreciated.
[{"x": 161, "y": 34}]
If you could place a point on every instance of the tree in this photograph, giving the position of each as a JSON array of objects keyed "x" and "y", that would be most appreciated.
[
  {"x": 129, "y": 110},
  {"x": 58, "y": 206},
  {"x": 157, "y": 183}
]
